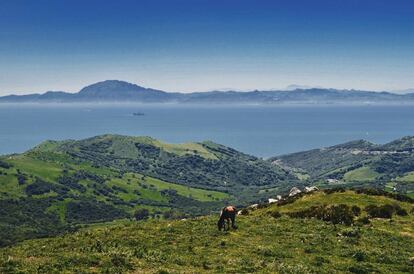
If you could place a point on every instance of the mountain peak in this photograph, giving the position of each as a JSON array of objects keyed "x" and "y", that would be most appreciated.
[
  {"x": 116, "y": 90},
  {"x": 110, "y": 85}
]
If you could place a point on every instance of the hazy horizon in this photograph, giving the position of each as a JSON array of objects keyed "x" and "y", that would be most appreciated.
[{"x": 292, "y": 87}]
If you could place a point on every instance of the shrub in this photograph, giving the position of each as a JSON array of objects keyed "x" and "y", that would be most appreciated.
[
  {"x": 21, "y": 179},
  {"x": 5, "y": 165},
  {"x": 88, "y": 211},
  {"x": 381, "y": 192},
  {"x": 288, "y": 200},
  {"x": 400, "y": 211},
  {"x": 359, "y": 256},
  {"x": 141, "y": 214},
  {"x": 41, "y": 187},
  {"x": 363, "y": 221},
  {"x": 350, "y": 233},
  {"x": 119, "y": 260},
  {"x": 275, "y": 214},
  {"x": 119, "y": 189},
  {"x": 333, "y": 190},
  {"x": 361, "y": 269},
  {"x": 385, "y": 211},
  {"x": 319, "y": 261},
  {"x": 339, "y": 214},
  {"x": 356, "y": 210},
  {"x": 336, "y": 214},
  {"x": 71, "y": 182}
]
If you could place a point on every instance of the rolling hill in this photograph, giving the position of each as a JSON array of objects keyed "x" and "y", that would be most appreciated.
[
  {"x": 57, "y": 186},
  {"x": 389, "y": 166},
  {"x": 276, "y": 238}
]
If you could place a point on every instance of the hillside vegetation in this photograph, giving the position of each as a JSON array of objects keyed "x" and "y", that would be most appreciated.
[
  {"x": 388, "y": 166},
  {"x": 274, "y": 238},
  {"x": 57, "y": 186}
]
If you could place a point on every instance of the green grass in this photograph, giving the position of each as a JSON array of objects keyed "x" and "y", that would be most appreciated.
[
  {"x": 362, "y": 174},
  {"x": 145, "y": 193},
  {"x": 261, "y": 244},
  {"x": 9, "y": 186},
  {"x": 302, "y": 176},
  {"x": 196, "y": 193},
  {"x": 47, "y": 146},
  {"x": 390, "y": 186},
  {"x": 409, "y": 177},
  {"x": 149, "y": 188},
  {"x": 60, "y": 209},
  {"x": 103, "y": 171},
  {"x": 46, "y": 170},
  {"x": 186, "y": 148}
]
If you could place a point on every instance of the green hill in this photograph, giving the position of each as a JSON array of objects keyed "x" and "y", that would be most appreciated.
[
  {"x": 58, "y": 185},
  {"x": 387, "y": 166},
  {"x": 277, "y": 238}
]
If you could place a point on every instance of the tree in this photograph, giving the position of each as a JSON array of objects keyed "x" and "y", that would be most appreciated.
[{"x": 141, "y": 214}]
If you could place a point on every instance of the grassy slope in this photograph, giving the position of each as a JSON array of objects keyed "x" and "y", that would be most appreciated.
[
  {"x": 127, "y": 193},
  {"x": 408, "y": 177},
  {"x": 261, "y": 243},
  {"x": 321, "y": 162},
  {"x": 362, "y": 174},
  {"x": 51, "y": 171},
  {"x": 359, "y": 162}
]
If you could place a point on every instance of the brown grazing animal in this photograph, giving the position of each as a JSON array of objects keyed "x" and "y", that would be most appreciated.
[{"x": 228, "y": 214}]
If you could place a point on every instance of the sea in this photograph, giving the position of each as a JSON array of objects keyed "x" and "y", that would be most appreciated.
[{"x": 263, "y": 131}]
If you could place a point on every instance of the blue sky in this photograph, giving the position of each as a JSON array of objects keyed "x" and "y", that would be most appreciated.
[{"x": 200, "y": 45}]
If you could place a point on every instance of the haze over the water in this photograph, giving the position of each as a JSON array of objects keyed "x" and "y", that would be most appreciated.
[{"x": 203, "y": 45}]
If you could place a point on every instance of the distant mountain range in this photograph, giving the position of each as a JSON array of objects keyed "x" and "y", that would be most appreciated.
[{"x": 120, "y": 91}]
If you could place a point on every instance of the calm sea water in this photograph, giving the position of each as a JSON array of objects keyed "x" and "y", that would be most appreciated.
[{"x": 259, "y": 130}]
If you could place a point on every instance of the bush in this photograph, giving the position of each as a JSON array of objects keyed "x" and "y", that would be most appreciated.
[
  {"x": 381, "y": 192},
  {"x": 339, "y": 214},
  {"x": 275, "y": 214},
  {"x": 40, "y": 187},
  {"x": 141, "y": 214},
  {"x": 400, "y": 211},
  {"x": 119, "y": 189},
  {"x": 351, "y": 233},
  {"x": 385, "y": 211},
  {"x": 88, "y": 211},
  {"x": 173, "y": 215},
  {"x": 21, "y": 179},
  {"x": 336, "y": 214},
  {"x": 119, "y": 260},
  {"x": 5, "y": 165},
  {"x": 71, "y": 182},
  {"x": 333, "y": 190},
  {"x": 363, "y": 221},
  {"x": 359, "y": 256},
  {"x": 361, "y": 269},
  {"x": 356, "y": 210}
]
